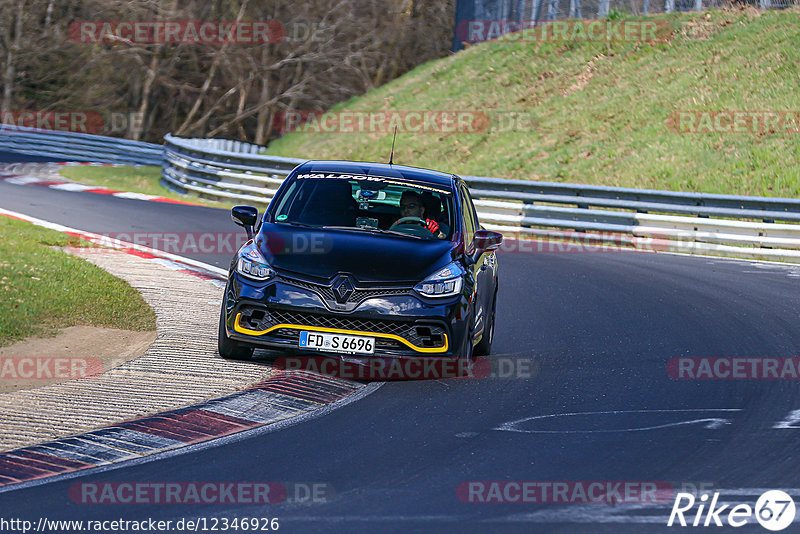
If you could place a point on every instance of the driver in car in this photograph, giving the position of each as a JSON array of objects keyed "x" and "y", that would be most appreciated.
[{"x": 411, "y": 206}]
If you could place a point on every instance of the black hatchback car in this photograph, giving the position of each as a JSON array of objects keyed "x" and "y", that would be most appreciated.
[{"x": 363, "y": 259}]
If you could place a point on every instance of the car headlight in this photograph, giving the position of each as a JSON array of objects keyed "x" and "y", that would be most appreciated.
[
  {"x": 444, "y": 283},
  {"x": 252, "y": 264}
]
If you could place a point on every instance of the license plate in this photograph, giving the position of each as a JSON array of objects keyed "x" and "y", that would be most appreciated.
[{"x": 337, "y": 343}]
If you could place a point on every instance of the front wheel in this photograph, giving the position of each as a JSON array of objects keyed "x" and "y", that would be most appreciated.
[
  {"x": 228, "y": 348},
  {"x": 467, "y": 352}
]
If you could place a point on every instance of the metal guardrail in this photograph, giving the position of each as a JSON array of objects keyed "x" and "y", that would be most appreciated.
[
  {"x": 703, "y": 223},
  {"x": 586, "y": 215},
  {"x": 70, "y": 146},
  {"x": 221, "y": 169}
]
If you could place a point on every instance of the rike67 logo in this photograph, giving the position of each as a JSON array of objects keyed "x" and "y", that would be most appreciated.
[{"x": 774, "y": 510}]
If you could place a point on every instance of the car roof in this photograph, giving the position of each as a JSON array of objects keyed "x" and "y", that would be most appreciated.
[{"x": 414, "y": 174}]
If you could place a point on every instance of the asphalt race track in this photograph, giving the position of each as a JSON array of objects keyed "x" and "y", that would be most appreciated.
[{"x": 591, "y": 333}]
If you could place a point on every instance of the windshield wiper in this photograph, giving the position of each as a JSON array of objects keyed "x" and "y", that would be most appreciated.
[
  {"x": 370, "y": 229},
  {"x": 292, "y": 223}
]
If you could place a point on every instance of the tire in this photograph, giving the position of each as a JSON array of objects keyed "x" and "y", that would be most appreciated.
[
  {"x": 468, "y": 351},
  {"x": 484, "y": 348},
  {"x": 229, "y": 349}
]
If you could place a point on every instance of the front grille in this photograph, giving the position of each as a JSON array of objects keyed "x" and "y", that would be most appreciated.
[
  {"x": 358, "y": 296},
  {"x": 427, "y": 335},
  {"x": 286, "y": 333}
]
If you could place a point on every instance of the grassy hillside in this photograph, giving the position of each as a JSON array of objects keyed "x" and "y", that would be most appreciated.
[{"x": 599, "y": 111}]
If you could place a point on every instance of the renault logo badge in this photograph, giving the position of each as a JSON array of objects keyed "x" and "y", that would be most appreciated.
[{"x": 343, "y": 288}]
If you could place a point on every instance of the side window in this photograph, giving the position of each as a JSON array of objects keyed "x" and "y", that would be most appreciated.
[
  {"x": 468, "y": 215},
  {"x": 472, "y": 209}
]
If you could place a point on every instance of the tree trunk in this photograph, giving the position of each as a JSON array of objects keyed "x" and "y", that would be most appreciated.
[
  {"x": 212, "y": 71},
  {"x": 48, "y": 18},
  {"x": 136, "y": 134},
  {"x": 10, "y": 73},
  {"x": 8, "y": 82},
  {"x": 264, "y": 113}
]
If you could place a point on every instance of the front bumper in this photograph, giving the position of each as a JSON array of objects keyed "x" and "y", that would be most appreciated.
[{"x": 272, "y": 314}]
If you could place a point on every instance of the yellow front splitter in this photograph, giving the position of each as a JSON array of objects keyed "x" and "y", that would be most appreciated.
[{"x": 237, "y": 326}]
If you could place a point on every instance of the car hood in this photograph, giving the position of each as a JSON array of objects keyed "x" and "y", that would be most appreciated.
[{"x": 369, "y": 257}]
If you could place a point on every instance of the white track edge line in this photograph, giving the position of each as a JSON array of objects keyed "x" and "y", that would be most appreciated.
[{"x": 155, "y": 252}]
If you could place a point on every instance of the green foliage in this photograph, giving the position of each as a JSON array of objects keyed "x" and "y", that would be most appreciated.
[
  {"x": 43, "y": 289},
  {"x": 616, "y": 14}
]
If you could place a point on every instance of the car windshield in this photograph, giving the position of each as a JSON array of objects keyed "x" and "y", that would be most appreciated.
[{"x": 367, "y": 203}]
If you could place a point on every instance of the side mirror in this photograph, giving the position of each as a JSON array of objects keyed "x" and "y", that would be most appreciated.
[
  {"x": 245, "y": 216},
  {"x": 485, "y": 241}
]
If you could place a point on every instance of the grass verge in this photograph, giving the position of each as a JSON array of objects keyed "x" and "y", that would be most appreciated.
[{"x": 43, "y": 289}]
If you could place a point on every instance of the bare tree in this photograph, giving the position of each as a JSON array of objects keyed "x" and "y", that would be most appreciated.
[
  {"x": 332, "y": 50},
  {"x": 12, "y": 42}
]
